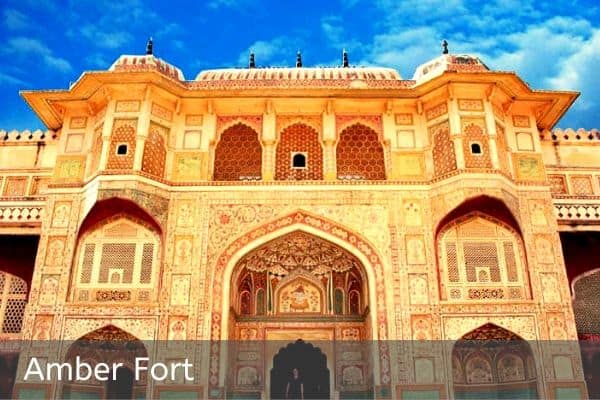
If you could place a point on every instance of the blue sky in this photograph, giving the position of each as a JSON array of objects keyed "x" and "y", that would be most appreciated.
[{"x": 550, "y": 44}]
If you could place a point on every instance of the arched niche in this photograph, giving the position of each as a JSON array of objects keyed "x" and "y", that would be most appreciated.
[
  {"x": 481, "y": 254},
  {"x": 238, "y": 154},
  {"x": 118, "y": 255},
  {"x": 360, "y": 154},
  {"x": 299, "y": 273},
  {"x": 116, "y": 348},
  {"x": 493, "y": 362}
]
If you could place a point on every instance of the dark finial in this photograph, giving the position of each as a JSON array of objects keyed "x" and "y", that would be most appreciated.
[
  {"x": 251, "y": 62},
  {"x": 444, "y": 47},
  {"x": 149, "y": 50},
  {"x": 345, "y": 63},
  {"x": 298, "y": 59}
]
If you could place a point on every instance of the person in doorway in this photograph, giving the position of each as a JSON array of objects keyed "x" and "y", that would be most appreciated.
[{"x": 295, "y": 386}]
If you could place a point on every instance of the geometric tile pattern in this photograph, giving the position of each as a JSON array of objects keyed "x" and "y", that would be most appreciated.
[
  {"x": 123, "y": 133},
  {"x": 238, "y": 155},
  {"x": 299, "y": 138},
  {"x": 475, "y": 134},
  {"x": 444, "y": 159},
  {"x": 155, "y": 151},
  {"x": 359, "y": 154}
]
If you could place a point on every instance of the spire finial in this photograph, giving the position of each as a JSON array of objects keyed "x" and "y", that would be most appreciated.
[
  {"x": 298, "y": 59},
  {"x": 444, "y": 47},
  {"x": 251, "y": 62},
  {"x": 149, "y": 45},
  {"x": 345, "y": 62}
]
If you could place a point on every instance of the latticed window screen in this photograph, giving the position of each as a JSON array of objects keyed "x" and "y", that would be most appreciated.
[
  {"x": 479, "y": 251},
  {"x": 119, "y": 254},
  {"x": 13, "y": 299}
]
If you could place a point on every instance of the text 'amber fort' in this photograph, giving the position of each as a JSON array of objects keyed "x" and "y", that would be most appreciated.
[{"x": 312, "y": 207}]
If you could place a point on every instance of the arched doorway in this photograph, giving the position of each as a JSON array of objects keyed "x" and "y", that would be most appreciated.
[
  {"x": 312, "y": 367},
  {"x": 298, "y": 285},
  {"x": 112, "y": 346},
  {"x": 491, "y": 362}
]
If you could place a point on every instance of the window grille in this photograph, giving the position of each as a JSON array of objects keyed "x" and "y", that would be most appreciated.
[
  {"x": 13, "y": 299},
  {"x": 118, "y": 255},
  {"x": 478, "y": 253}
]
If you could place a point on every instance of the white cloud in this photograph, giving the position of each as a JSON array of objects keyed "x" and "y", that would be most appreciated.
[
  {"x": 14, "y": 19},
  {"x": 279, "y": 51},
  {"x": 24, "y": 47},
  {"x": 11, "y": 80},
  {"x": 225, "y": 3},
  {"x": 333, "y": 30},
  {"x": 579, "y": 72},
  {"x": 102, "y": 39},
  {"x": 97, "y": 61}
]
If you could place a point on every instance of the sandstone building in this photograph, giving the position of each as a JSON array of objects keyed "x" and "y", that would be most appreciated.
[{"x": 331, "y": 205}]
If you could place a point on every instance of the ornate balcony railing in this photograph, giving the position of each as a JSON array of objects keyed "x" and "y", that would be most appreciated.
[
  {"x": 577, "y": 211},
  {"x": 21, "y": 212}
]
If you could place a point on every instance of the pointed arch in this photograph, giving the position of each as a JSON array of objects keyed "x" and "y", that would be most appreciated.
[
  {"x": 484, "y": 204},
  {"x": 115, "y": 347},
  {"x": 299, "y": 138},
  {"x": 311, "y": 224},
  {"x": 480, "y": 253},
  {"x": 110, "y": 207},
  {"x": 492, "y": 360},
  {"x": 118, "y": 254},
  {"x": 238, "y": 154},
  {"x": 360, "y": 154}
]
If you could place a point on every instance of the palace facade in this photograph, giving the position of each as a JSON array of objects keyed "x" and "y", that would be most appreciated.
[{"x": 318, "y": 207}]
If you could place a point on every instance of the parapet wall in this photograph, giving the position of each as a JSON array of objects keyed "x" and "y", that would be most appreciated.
[{"x": 571, "y": 148}]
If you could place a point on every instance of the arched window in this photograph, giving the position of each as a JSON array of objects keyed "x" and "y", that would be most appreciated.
[
  {"x": 299, "y": 155},
  {"x": 117, "y": 261},
  {"x": 481, "y": 258},
  {"x": 238, "y": 155},
  {"x": 359, "y": 154},
  {"x": 13, "y": 299}
]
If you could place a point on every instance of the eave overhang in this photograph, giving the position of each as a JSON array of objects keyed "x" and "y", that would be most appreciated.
[{"x": 49, "y": 105}]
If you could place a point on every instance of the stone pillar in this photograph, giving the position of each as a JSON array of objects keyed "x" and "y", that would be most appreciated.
[
  {"x": 208, "y": 143},
  {"x": 329, "y": 140},
  {"x": 490, "y": 125},
  {"x": 456, "y": 133},
  {"x": 388, "y": 139},
  {"x": 109, "y": 117},
  {"x": 268, "y": 139},
  {"x": 141, "y": 134},
  {"x": 268, "y": 163}
]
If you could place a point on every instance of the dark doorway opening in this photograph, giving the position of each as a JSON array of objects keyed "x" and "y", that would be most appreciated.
[
  {"x": 311, "y": 364},
  {"x": 8, "y": 370},
  {"x": 122, "y": 387}
]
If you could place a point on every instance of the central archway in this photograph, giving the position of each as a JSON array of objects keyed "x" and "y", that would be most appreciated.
[
  {"x": 376, "y": 369},
  {"x": 299, "y": 274},
  {"x": 311, "y": 364}
]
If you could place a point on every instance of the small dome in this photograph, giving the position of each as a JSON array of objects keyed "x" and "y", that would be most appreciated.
[
  {"x": 448, "y": 62},
  {"x": 327, "y": 73},
  {"x": 300, "y": 78},
  {"x": 147, "y": 63}
]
